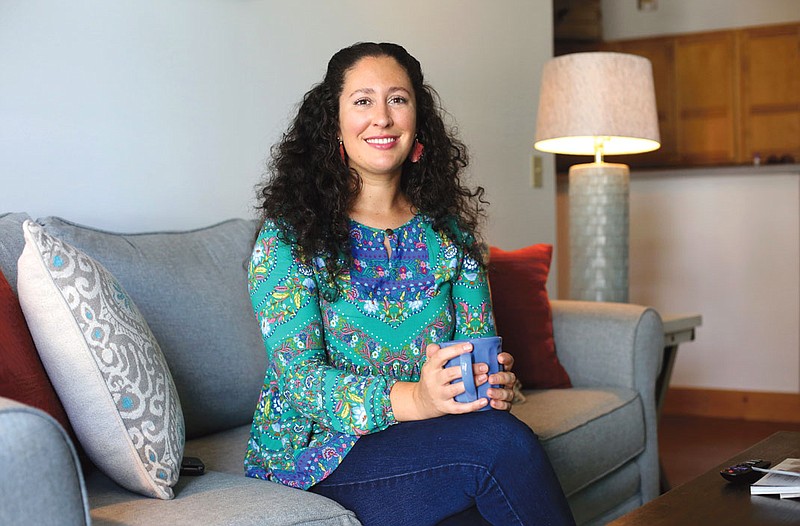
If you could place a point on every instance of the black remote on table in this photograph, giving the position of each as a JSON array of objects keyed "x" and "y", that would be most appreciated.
[{"x": 744, "y": 473}]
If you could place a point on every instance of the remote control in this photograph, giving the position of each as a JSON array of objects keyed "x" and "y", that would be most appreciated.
[{"x": 743, "y": 473}]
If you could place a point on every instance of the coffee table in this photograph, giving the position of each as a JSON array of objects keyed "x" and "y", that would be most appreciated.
[{"x": 710, "y": 500}]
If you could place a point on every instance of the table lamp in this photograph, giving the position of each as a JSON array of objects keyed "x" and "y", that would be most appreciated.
[{"x": 598, "y": 103}]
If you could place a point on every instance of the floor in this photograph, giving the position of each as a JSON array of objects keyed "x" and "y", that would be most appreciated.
[{"x": 689, "y": 446}]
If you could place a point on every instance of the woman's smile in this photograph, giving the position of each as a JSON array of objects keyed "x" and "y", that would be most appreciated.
[{"x": 382, "y": 143}]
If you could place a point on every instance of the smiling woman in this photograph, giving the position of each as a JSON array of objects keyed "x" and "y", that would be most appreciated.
[
  {"x": 312, "y": 187},
  {"x": 367, "y": 260}
]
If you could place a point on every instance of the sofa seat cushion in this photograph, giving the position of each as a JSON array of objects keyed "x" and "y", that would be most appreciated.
[
  {"x": 222, "y": 496},
  {"x": 215, "y": 499},
  {"x": 223, "y": 451},
  {"x": 572, "y": 422},
  {"x": 191, "y": 287}
]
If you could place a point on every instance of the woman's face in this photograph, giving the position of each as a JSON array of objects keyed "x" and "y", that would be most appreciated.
[{"x": 377, "y": 116}]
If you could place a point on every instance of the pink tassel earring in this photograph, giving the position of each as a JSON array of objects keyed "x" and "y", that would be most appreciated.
[
  {"x": 416, "y": 153},
  {"x": 341, "y": 151}
]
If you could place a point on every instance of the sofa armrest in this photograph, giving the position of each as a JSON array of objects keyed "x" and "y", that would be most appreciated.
[
  {"x": 608, "y": 344},
  {"x": 41, "y": 481},
  {"x": 615, "y": 345}
]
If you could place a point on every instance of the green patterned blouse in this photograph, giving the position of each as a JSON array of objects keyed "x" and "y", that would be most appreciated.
[{"x": 333, "y": 358}]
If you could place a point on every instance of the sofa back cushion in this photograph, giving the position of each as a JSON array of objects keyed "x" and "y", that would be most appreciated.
[
  {"x": 11, "y": 245},
  {"x": 191, "y": 288}
]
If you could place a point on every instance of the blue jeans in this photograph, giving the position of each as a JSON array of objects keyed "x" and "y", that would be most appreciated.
[{"x": 478, "y": 468}]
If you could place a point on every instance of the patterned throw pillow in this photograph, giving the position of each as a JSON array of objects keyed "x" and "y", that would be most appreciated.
[{"x": 104, "y": 363}]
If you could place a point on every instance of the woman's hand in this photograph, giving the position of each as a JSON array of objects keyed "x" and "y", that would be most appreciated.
[
  {"x": 501, "y": 397},
  {"x": 433, "y": 395}
]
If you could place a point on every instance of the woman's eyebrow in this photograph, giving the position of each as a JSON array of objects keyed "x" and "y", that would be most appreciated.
[
  {"x": 365, "y": 91},
  {"x": 371, "y": 91}
]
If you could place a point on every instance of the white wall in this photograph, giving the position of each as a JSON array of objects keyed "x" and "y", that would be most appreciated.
[
  {"x": 622, "y": 19},
  {"x": 149, "y": 114},
  {"x": 726, "y": 244}
]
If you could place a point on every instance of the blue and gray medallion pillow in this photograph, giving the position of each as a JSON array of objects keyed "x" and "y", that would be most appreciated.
[{"x": 104, "y": 363}]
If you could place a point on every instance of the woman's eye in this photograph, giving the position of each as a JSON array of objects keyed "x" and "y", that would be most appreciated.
[
  {"x": 398, "y": 100},
  {"x": 361, "y": 102}
]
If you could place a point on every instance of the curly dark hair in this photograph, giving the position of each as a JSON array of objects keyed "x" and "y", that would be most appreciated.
[{"x": 311, "y": 190}]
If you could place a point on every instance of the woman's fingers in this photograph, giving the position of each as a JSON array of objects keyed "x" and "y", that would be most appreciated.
[
  {"x": 507, "y": 379},
  {"x": 501, "y": 395},
  {"x": 480, "y": 368},
  {"x": 506, "y": 360},
  {"x": 469, "y": 407},
  {"x": 439, "y": 356},
  {"x": 452, "y": 373},
  {"x": 501, "y": 398},
  {"x": 500, "y": 405}
]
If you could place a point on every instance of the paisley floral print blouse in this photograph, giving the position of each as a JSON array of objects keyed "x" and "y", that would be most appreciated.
[{"x": 333, "y": 358}]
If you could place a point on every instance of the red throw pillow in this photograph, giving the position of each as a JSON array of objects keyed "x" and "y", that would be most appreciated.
[
  {"x": 518, "y": 281},
  {"x": 22, "y": 375}
]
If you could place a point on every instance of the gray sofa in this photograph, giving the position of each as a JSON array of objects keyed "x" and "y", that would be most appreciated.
[{"x": 191, "y": 289}]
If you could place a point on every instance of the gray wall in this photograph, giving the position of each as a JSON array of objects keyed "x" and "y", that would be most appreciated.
[{"x": 151, "y": 114}]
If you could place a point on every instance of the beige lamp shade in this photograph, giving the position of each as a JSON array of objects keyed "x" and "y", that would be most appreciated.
[{"x": 596, "y": 98}]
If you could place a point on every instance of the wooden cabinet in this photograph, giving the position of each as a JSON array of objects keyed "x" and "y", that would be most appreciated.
[
  {"x": 770, "y": 92},
  {"x": 661, "y": 53},
  {"x": 706, "y": 99},
  {"x": 722, "y": 96},
  {"x": 696, "y": 79}
]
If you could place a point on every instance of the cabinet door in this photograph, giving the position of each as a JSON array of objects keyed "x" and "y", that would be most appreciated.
[
  {"x": 706, "y": 78},
  {"x": 660, "y": 52},
  {"x": 770, "y": 92}
]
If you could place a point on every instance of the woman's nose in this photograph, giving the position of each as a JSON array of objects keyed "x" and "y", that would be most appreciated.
[{"x": 383, "y": 117}]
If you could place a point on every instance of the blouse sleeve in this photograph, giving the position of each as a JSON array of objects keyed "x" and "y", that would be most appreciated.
[
  {"x": 285, "y": 298},
  {"x": 472, "y": 302}
]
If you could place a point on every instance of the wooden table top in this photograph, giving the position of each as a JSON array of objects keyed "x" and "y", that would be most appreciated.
[{"x": 710, "y": 500}]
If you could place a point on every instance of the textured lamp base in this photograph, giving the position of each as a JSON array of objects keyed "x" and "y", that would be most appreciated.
[{"x": 598, "y": 232}]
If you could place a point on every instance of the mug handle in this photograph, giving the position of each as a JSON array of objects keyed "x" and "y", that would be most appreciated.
[{"x": 465, "y": 363}]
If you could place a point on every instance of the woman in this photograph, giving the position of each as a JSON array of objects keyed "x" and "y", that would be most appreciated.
[{"x": 367, "y": 259}]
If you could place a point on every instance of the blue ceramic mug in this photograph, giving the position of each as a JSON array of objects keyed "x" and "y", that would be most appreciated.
[{"x": 484, "y": 350}]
